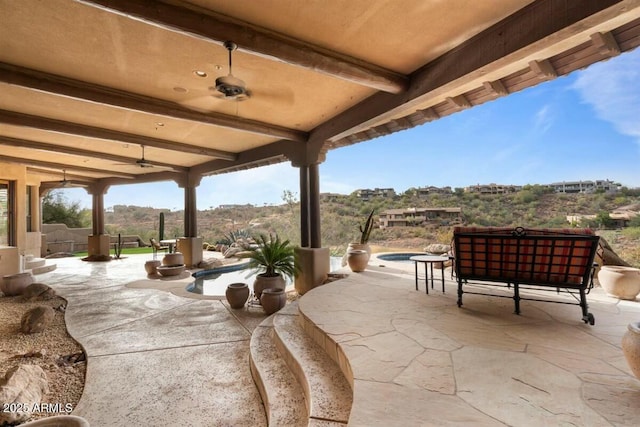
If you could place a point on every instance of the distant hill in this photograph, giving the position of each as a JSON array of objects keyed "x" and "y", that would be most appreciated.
[{"x": 530, "y": 207}]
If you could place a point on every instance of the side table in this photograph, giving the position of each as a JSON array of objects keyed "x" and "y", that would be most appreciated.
[{"x": 428, "y": 260}]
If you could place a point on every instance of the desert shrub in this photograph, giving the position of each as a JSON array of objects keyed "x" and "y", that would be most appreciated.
[{"x": 632, "y": 232}]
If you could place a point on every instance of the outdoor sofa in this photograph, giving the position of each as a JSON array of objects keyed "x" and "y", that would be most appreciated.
[{"x": 560, "y": 260}]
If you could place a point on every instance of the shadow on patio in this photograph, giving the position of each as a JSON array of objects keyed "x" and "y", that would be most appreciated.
[{"x": 410, "y": 358}]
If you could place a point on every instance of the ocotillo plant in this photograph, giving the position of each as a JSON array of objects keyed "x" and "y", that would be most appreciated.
[
  {"x": 161, "y": 225},
  {"x": 117, "y": 247},
  {"x": 365, "y": 231}
]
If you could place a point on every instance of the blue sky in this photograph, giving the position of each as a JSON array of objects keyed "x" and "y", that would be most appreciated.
[{"x": 584, "y": 126}]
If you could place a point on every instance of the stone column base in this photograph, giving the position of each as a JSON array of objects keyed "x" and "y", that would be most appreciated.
[
  {"x": 191, "y": 249},
  {"x": 99, "y": 247},
  {"x": 314, "y": 268}
]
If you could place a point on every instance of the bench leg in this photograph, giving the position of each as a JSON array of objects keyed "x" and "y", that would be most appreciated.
[
  {"x": 460, "y": 293},
  {"x": 516, "y": 297},
  {"x": 586, "y": 316}
]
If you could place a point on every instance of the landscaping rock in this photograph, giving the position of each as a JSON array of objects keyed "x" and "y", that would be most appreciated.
[
  {"x": 37, "y": 319},
  {"x": 437, "y": 248},
  {"x": 38, "y": 292},
  {"x": 21, "y": 389}
]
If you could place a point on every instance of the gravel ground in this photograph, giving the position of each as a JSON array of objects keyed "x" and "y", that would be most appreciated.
[{"x": 46, "y": 349}]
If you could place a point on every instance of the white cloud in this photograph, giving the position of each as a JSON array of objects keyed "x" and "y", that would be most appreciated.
[
  {"x": 543, "y": 119},
  {"x": 612, "y": 88}
]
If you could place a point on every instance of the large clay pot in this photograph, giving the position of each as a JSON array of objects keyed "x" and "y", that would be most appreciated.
[
  {"x": 273, "y": 300},
  {"x": 152, "y": 266},
  {"x": 360, "y": 247},
  {"x": 264, "y": 282},
  {"x": 619, "y": 281},
  {"x": 357, "y": 260},
  {"x": 15, "y": 284},
  {"x": 58, "y": 421},
  {"x": 175, "y": 258},
  {"x": 631, "y": 347},
  {"x": 237, "y": 294}
]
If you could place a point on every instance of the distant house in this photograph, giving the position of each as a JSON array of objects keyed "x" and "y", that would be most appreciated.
[
  {"x": 585, "y": 186},
  {"x": 493, "y": 189},
  {"x": 620, "y": 216},
  {"x": 368, "y": 194},
  {"x": 419, "y": 216},
  {"x": 422, "y": 192}
]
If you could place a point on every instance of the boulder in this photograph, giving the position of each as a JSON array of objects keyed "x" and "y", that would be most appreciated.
[
  {"x": 21, "y": 389},
  {"x": 437, "y": 248},
  {"x": 38, "y": 292},
  {"x": 37, "y": 319}
]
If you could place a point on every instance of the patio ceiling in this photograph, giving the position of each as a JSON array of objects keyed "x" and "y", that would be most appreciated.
[{"x": 85, "y": 83}]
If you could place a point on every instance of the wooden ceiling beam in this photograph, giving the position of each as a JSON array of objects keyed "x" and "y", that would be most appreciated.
[
  {"x": 62, "y": 166},
  {"x": 210, "y": 26},
  {"x": 68, "y": 128},
  {"x": 496, "y": 87},
  {"x": 543, "y": 69},
  {"x": 275, "y": 152},
  {"x": 542, "y": 26},
  {"x": 606, "y": 43},
  {"x": 459, "y": 101},
  {"x": 61, "y": 174},
  {"x": 52, "y": 148},
  {"x": 83, "y": 91}
]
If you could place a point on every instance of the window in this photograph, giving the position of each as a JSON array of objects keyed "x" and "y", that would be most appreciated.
[
  {"x": 6, "y": 213},
  {"x": 28, "y": 208}
]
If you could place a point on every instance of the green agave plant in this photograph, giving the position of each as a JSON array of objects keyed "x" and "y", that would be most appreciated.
[{"x": 272, "y": 257}]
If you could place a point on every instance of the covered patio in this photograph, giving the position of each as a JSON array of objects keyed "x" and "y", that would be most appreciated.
[
  {"x": 158, "y": 358},
  {"x": 100, "y": 93}
]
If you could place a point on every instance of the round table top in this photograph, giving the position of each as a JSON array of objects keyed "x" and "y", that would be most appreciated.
[{"x": 429, "y": 258}]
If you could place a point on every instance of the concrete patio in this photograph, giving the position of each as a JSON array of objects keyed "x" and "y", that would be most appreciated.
[{"x": 163, "y": 357}]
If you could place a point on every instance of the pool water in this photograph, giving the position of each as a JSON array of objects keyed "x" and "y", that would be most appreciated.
[
  {"x": 214, "y": 282},
  {"x": 399, "y": 256}
]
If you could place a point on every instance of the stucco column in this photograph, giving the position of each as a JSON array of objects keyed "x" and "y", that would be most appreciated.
[
  {"x": 305, "y": 236},
  {"x": 314, "y": 206},
  {"x": 190, "y": 244},
  {"x": 98, "y": 242},
  {"x": 190, "y": 212}
]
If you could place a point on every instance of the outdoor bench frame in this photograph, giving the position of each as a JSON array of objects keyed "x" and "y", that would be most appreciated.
[{"x": 537, "y": 258}]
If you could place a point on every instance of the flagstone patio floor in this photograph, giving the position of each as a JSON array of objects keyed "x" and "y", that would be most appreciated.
[{"x": 158, "y": 355}]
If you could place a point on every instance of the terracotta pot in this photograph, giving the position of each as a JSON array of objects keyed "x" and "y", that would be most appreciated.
[
  {"x": 59, "y": 421},
  {"x": 631, "y": 347},
  {"x": 360, "y": 247},
  {"x": 175, "y": 258},
  {"x": 273, "y": 299},
  {"x": 237, "y": 294},
  {"x": 151, "y": 266},
  {"x": 264, "y": 282},
  {"x": 357, "y": 260},
  {"x": 15, "y": 284},
  {"x": 619, "y": 281}
]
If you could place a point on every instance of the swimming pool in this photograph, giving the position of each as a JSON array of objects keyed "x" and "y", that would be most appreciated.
[
  {"x": 398, "y": 256},
  {"x": 214, "y": 282}
]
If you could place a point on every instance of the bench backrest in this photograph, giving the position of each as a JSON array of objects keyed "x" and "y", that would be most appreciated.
[{"x": 535, "y": 256}]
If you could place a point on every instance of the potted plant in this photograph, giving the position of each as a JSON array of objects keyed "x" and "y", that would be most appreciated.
[
  {"x": 365, "y": 232},
  {"x": 273, "y": 259}
]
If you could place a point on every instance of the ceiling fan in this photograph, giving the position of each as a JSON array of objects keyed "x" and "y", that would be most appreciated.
[
  {"x": 142, "y": 162},
  {"x": 230, "y": 87},
  {"x": 64, "y": 183}
]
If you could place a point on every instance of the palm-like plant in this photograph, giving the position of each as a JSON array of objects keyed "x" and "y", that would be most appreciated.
[{"x": 272, "y": 257}]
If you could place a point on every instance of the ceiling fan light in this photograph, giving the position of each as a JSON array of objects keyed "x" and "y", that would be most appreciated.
[{"x": 230, "y": 86}]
